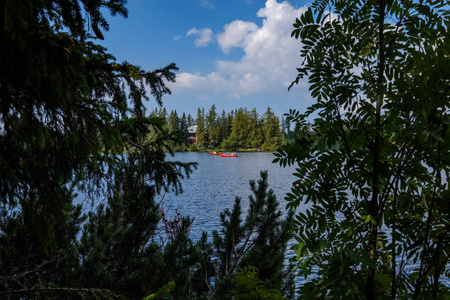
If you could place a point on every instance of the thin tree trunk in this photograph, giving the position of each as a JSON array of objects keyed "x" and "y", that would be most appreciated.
[
  {"x": 394, "y": 256},
  {"x": 374, "y": 205}
]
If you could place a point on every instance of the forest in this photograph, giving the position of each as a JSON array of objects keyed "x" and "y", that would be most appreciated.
[
  {"x": 371, "y": 157},
  {"x": 239, "y": 129}
]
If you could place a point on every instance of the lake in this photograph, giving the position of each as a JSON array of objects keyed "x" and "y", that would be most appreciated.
[
  {"x": 214, "y": 186},
  {"x": 218, "y": 180}
]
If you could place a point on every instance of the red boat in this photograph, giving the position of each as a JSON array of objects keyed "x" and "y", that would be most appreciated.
[
  {"x": 214, "y": 153},
  {"x": 228, "y": 155}
]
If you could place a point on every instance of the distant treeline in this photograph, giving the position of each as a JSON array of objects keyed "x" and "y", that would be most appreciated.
[{"x": 238, "y": 129}]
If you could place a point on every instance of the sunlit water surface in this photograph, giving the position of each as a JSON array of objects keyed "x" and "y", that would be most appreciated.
[
  {"x": 218, "y": 180},
  {"x": 214, "y": 185}
]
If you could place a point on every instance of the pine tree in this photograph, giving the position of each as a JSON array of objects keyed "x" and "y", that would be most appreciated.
[
  {"x": 260, "y": 240},
  {"x": 173, "y": 122},
  {"x": 190, "y": 121},
  {"x": 239, "y": 130},
  {"x": 211, "y": 126},
  {"x": 222, "y": 124},
  {"x": 163, "y": 115},
  {"x": 201, "y": 130},
  {"x": 73, "y": 118},
  {"x": 120, "y": 248},
  {"x": 184, "y": 129},
  {"x": 173, "y": 127},
  {"x": 273, "y": 137},
  {"x": 68, "y": 113},
  {"x": 255, "y": 138}
]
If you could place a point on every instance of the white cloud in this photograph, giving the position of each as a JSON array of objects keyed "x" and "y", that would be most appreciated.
[
  {"x": 208, "y": 4},
  {"x": 177, "y": 38},
  {"x": 269, "y": 61},
  {"x": 204, "y": 36},
  {"x": 236, "y": 34}
]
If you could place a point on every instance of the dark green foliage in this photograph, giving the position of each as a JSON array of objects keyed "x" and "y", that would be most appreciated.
[
  {"x": 184, "y": 130},
  {"x": 249, "y": 131},
  {"x": 211, "y": 127},
  {"x": 259, "y": 240},
  {"x": 163, "y": 293},
  {"x": 173, "y": 123},
  {"x": 121, "y": 248},
  {"x": 174, "y": 127},
  {"x": 201, "y": 129},
  {"x": 256, "y": 135},
  {"x": 243, "y": 129},
  {"x": 72, "y": 119},
  {"x": 273, "y": 136},
  {"x": 224, "y": 126},
  {"x": 373, "y": 165},
  {"x": 68, "y": 113},
  {"x": 240, "y": 129},
  {"x": 249, "y": 286}
]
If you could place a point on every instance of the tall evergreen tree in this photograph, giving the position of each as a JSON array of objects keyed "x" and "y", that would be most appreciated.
[
  {"x": 273, "y": 137},
  {"x": 239, "y": 129},
  {"x": 255, "y": 138},
  {"x": 229, "y": 123},
  {"x": 211, "y": 126},
  {"x": 258, "y": 239},
  {"x": 190, "y": 121},
  {"x": 184, "y": 129},
  {"x": 173, "y": 127},
  {"x": 68, "y": 112},
  {"x": 173, "y": 122},
  {"x": 122, "y": 248},
  {"x": 201, "y": 129},
  {"x": 163, "y": 114},
  {"x": 72, "y": 117},
  {"x": 223, "y": 127}
]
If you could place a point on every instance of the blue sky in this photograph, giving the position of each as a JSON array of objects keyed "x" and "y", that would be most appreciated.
[{"x": 233, "y": 53}]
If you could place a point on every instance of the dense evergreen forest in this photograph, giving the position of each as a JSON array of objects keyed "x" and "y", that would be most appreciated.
[{"x": 238, "y": 129}]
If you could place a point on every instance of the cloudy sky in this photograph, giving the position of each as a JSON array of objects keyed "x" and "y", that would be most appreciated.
[{"x": 233, "y": 53}]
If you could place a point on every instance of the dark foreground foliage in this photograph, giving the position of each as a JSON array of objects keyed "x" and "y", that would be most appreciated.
[
  {"x": 73, "y": 119},
  {"x": 373, "y": 166}
]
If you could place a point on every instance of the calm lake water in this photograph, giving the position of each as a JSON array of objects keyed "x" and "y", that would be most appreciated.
[
  {"x": 214, "y": 186},
  {"x": 218, "y": 180}
]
